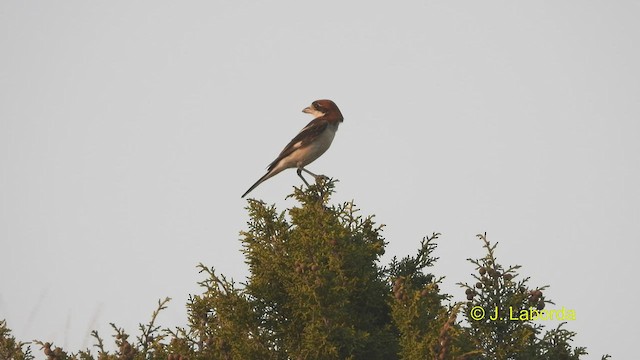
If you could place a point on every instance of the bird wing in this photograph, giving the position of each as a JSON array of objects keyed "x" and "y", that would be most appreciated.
[{"x": 306, "y": 136}]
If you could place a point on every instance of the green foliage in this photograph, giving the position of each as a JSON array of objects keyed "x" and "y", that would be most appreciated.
[
  {"x": 501, "y": 311},
  {"x": 317, "y": 290},
  {"x": 10, "y": 349},
  {"x": 314, "y": 280},
  {"x": 424, "y": 324}
]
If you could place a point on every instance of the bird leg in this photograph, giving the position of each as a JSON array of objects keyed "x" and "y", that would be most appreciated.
[
  {"x": 317, "y": 177},
  {"x": 299, "y": 171}
]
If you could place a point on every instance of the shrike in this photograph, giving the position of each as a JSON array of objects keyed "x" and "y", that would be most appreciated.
[{"x": 310, "y": 143}]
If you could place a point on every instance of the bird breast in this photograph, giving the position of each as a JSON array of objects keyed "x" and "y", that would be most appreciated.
[{"x": 307, "y": 154}]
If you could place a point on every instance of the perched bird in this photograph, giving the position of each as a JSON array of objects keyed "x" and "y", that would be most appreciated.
[{"x": 311, "y": 142}]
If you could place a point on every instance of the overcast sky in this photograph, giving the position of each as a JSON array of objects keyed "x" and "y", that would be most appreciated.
[{"x": 129, "y": 130}]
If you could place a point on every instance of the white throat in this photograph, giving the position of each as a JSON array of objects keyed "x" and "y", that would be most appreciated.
[{"x": 315, "y": 113}]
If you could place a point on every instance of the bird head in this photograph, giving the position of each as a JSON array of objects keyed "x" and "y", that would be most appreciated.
[{"x": 326, "y": 108}]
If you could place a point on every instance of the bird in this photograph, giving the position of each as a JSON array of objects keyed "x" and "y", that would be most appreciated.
[{"x": 310, "y": 143}]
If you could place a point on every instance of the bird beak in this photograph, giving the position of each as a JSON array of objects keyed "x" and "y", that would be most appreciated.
[{"x": 307, "y": 110}]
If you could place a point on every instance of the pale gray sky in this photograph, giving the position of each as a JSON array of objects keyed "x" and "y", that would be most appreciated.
[{"x": 129, "y": 130}]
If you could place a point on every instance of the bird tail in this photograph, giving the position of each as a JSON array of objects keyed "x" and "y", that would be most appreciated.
[{"x": 260, "y": 181}]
